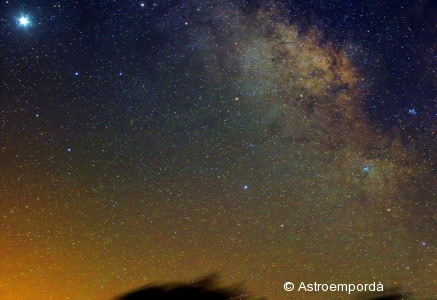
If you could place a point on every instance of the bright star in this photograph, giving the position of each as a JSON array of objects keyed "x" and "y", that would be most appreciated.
[{"x": 23, "y": 21}]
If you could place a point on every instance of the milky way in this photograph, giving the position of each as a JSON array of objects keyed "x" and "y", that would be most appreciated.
[{"x": 230, "y": 140}]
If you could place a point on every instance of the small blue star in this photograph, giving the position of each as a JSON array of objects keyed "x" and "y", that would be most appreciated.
[
  {"x": 245, "y": 187},
  {"x": 412, "y": 111},
  {"x": 368, "y": 169},
  {"x": 23, "y": 21}
]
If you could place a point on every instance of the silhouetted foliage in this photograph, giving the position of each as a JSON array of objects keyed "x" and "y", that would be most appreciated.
[{"x": 207, "y": 288}]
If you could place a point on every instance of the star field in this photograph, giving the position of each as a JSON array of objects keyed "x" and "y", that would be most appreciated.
[{"x": 148, "y": 141}]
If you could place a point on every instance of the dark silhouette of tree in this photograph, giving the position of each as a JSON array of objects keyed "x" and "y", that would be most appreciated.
[{"x": 207, "y": 288}]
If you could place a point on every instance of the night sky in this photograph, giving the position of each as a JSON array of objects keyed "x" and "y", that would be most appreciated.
[{"x": 152, "y": 141}]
